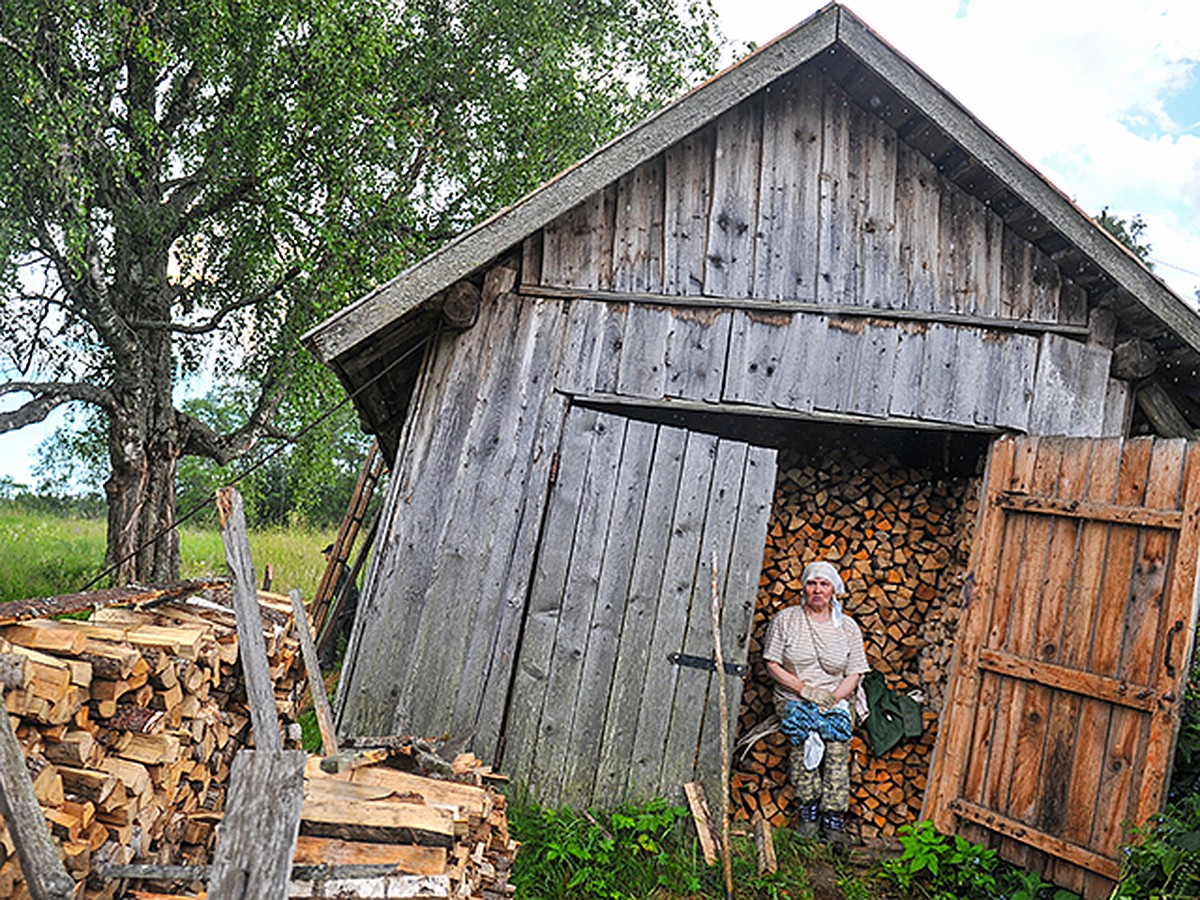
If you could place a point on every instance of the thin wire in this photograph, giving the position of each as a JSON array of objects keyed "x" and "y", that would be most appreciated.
[
  {"x": 1161, "y": 262},
  {"x": 320, "y": 420}
]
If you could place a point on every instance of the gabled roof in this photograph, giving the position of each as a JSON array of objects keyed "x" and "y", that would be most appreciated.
[{"x": 885, "y": 82}]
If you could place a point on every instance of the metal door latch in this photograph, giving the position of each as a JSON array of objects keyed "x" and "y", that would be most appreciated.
[{"x": 707, "y": 663}]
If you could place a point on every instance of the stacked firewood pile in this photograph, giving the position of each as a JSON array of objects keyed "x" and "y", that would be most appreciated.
[
  {"x": 129, "y": 722},
  {"x": 900, "y": 536},
  {"x": 384, "y": 831}
]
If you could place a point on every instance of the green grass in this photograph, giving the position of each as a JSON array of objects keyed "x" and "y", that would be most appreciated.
[{"x": 44, "y": 555}]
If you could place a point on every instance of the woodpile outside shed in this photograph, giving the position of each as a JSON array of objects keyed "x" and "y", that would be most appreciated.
[{"x": 593, "y": 395}]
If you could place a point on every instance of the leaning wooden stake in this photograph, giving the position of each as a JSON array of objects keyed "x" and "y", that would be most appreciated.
[
  {"x": 261, "y": 821},
  {"x": 260, "y": 695},
  {"x": 45, "y": 877},
  {"x": 726, "y": 861},
  {"x": 316, "y": 684}
]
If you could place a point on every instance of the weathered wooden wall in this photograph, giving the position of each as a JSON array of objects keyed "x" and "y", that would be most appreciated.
[
  {"x": 794, "y": 259},
  {"x": 796, "y": 255}
]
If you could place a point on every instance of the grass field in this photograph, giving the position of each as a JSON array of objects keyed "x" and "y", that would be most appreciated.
[{"x": 43, "y": 555}]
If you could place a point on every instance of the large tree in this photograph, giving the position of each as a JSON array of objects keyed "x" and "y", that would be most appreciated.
[{"x": 190, "y": 180}]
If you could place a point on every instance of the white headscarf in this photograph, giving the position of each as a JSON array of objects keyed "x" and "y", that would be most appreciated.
[{"x": 826, "y": 570}]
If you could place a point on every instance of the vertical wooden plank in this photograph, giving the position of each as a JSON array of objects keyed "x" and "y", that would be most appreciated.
[
  {"x": 1048, "y": 718},
  {"x": 261, "y": 822},
  {"x": 612, "y": 339},
  {"x": 642, "y": 371},
  {"x": 576, "y": 606},
  {"x": 1007, "y": 363},
  {"x": 757, "y": 343},
  {"x": 803, "y": 356},
  {"x": 949, "y": 382},
  {"x": 635, "y": 666},
  {"x": 688, "y": 176},
  {"x": 1004, "y": 564},
  {"x": 1045, "y": 285},
  {"x": 883, "y": 282},
  {"x": 687, "y": 710},
  {"x": 638, "y": 229},
  {"x": 871, "y": 379},
  {"x": 1074, "y": 742},
  {"x": 1016, "y": 297},
  {"x": 1120, "y": 564},
  {"x": 531, "y": 259},
  {"x": 572, "y": 246},
  {"x": 839, "y": 259},
  {"x": 491, "y": 658},
  {"x": 729, "y": 271},
  {"x": 696, "y": 353},
  {"x": 679, "y": 570},
  {"x": 1070, "y": 387},
  {"x": 596, "y": 683},
  {"x": 835, "y": 377},
  {"x": 738, "y": 595},
  {"x": 583, "y": 344},
  {"x": 905, "y": 395},
  {"x": 786, "y": 236},
  {"x": 917, "y": 227},
  {"x": 1021, "y": 720},
  {"x": 532, "y": 673},
  {"x": 252, "y": 651},
  {"x": 1178, "y": 618},
  {"x": 1118, "y": 409}
]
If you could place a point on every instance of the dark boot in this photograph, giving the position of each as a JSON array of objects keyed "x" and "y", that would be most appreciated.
[
  {"x": 807, "y": 827},
  {"x": 833, "y": 830}
]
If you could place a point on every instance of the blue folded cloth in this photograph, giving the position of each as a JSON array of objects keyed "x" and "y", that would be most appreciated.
[{"x": 802, "y": 716}]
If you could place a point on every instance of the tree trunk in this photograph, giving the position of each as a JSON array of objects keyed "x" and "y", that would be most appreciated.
[{"x": 144, "y": 450}]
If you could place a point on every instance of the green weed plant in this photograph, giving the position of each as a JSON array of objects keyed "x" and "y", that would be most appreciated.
[
  {"x": 935, "y": 866},
  {"x": 632, "y": 853}
]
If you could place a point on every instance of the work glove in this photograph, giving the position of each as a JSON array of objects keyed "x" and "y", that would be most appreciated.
[{"x": 822, "y": 697}]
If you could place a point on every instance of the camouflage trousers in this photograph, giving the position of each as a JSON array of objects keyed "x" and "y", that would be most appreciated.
[{"x": 828, "y": 785}]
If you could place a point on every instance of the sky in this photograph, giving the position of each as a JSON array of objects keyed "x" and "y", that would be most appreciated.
[{"x": 1101, "y": 96}]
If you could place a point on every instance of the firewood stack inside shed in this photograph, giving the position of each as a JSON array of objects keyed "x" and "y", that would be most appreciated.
[{"x": 900, "y": 535}]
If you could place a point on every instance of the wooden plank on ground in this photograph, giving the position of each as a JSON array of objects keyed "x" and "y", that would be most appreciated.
[
  {"x": 702, "y": 819},
  {"x": 412, "y": 859}
]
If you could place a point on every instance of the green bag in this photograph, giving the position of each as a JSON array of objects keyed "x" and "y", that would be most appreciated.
[{"x": 892, "y": 717}]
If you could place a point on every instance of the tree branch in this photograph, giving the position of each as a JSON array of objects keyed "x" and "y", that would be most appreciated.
[
  {"x": 215, "y": 320},
  {"x": 46, "y": 397},
  {"x": 201, "y": 440}
]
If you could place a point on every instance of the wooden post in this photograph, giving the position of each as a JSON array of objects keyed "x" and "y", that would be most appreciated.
[
  {"x": 251, "y": 649},
  {"x": 316, "y": 684},
  {"x": 718, "y": 659},
  {"x": 257, "y": 838},
  {"x": 45, "y": 876}
]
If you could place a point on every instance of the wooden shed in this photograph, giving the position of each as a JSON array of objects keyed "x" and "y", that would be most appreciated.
[{"x": 650, "y": 361}]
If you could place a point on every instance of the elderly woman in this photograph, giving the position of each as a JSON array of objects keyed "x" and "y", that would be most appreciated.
[{"x": 815, "y": 655}]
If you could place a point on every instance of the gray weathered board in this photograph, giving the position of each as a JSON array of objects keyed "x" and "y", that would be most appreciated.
[
  {"x": 598, "y": 711},
  {"x": 257, "y": 837}
]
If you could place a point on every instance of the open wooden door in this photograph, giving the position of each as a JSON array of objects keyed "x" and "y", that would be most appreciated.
[
  {"x": 610, "y": 698},
  {"x": 1079, "y": 610}
]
